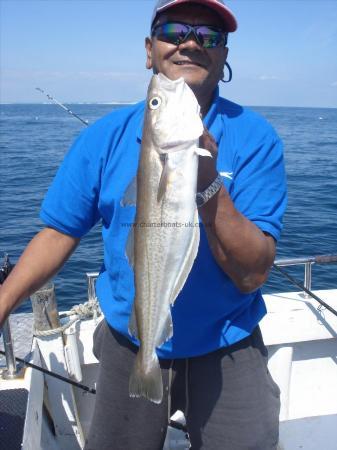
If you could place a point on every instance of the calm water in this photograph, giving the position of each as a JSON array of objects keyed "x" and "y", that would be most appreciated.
[{"x": 34, "y": 139}]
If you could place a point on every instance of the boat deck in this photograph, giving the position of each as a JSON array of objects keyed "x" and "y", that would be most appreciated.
[{"x": 302, "y": 341}]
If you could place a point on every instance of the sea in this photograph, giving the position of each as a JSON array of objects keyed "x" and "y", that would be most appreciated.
[{"x": 35, "y": 137}]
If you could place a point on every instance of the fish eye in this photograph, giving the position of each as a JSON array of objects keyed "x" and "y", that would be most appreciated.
[{"x": 155, "y": 102}]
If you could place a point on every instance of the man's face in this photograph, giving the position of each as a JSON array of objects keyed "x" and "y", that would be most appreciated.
[{"x": 201, "y": 68}]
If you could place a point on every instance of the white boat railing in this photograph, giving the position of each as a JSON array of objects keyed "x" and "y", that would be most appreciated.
[{"x": 308, "y": 262}]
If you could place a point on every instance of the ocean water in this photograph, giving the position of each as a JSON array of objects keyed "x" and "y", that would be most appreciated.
[{"x": 35, "y": 138}]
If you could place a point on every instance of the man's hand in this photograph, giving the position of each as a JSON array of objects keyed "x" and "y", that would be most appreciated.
[
  {"x": 42, "y": 259},
  {"x": 207, "y": 172}
]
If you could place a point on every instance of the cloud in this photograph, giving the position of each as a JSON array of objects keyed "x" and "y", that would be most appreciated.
[
  {"x": 108, "y": 75},
  {"x": 67, "y": 75},
  {"x": 268, "y": 77},
  {"x": 19, "y": 75}
]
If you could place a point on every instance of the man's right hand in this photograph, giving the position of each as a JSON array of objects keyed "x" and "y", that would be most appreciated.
[{"x": 41, "y": 260}]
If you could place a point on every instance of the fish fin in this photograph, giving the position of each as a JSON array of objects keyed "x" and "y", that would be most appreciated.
[
  {"x": 130, "y": 195},
  {"x": 164, "y": 177},
  {"x": 133, "y": 327},
  {"x": 130, "y": 248},
  {"x": 189, "y": 260},
  {"x": 146, "y": 383},
  {"x": 203, "y": 152},
  {"x": 167, "y": 330}
]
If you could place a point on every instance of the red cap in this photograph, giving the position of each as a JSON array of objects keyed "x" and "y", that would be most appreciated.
[{"x": 218, "y": 6}]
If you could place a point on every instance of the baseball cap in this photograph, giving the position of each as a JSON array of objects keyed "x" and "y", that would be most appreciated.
[{"x": 217, "y": 5}]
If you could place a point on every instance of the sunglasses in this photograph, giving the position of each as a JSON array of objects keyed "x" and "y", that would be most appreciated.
[{"x": 176, "y": 33}]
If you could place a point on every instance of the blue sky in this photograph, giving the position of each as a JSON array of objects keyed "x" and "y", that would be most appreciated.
[{"x": 283, "y": 54}]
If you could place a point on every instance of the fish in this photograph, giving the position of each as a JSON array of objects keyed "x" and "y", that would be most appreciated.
[{"x": 164, "y": 240}]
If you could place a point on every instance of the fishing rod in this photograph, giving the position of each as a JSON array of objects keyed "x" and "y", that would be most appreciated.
[
  {"x": 85, "y": 122},
  {"x": 172, "y": 423},
  {"x": 52, "y": 374},
  {"x": 317, "y": 259}
]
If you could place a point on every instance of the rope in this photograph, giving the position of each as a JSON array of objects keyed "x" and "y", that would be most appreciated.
[
  {"x": 61, "y": 329},
  {"x": 87, "y": 309},
  {"x": 83, "y": 311}
]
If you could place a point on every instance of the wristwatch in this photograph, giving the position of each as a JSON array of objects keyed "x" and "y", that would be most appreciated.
[{"x": 202, "y": 197}]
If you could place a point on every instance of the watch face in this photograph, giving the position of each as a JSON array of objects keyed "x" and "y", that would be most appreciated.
[{"x": 199, "y": 199}]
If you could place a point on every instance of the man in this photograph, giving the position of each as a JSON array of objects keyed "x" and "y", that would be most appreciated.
[{"x": 214, "y": 368}]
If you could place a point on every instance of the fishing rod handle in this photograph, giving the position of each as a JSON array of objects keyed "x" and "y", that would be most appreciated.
[{"x": 326, "y": 259}]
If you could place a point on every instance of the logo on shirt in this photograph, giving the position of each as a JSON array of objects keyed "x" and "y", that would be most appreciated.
[{"x": 228, "y": 175}]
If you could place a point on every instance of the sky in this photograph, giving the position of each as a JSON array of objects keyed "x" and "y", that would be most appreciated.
[{"x": 284, "y": 52}]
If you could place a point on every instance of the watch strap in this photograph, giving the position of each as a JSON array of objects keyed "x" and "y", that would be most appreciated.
[{"x": 208, "y": 193}]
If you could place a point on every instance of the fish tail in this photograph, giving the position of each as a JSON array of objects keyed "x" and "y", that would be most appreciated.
[{"x": 146, "y": 381}]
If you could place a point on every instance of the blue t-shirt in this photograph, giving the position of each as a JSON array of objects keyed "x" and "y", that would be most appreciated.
[{"x": 210, "y": 312}]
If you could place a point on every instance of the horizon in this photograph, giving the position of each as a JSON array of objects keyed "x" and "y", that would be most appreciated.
[
  {"x": 281, "y": 57},
  {"x": 126, "y": 103}
]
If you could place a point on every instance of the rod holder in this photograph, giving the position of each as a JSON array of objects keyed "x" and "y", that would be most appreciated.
[
  {"x": 11, "y": 367},
  {"x": 45, "y": 308},
  {"x": 11, "y": 370},
  {"x": 91, "y": 280}
]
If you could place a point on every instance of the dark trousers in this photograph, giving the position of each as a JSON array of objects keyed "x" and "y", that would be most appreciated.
[{"x": 229, "y": 399}]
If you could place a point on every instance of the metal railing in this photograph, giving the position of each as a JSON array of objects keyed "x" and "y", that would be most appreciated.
[{"x": 308, "y": 262}]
